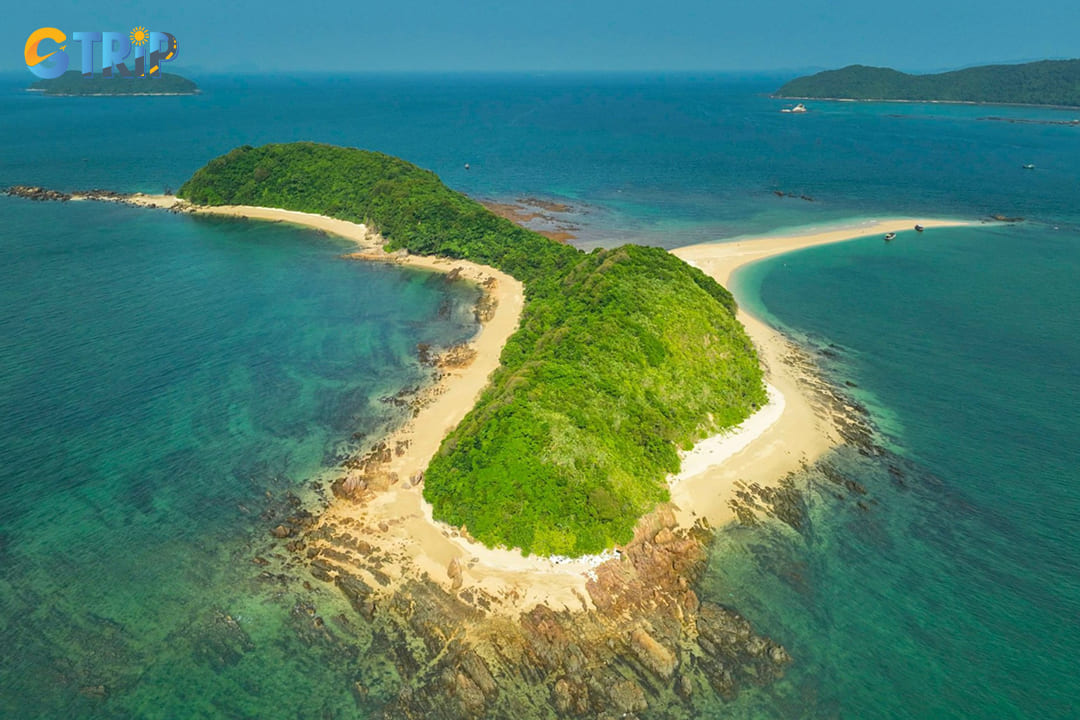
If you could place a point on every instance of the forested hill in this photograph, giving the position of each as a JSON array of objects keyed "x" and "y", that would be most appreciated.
[
  {"x": 1048, "y": 82},
  {"x": 623, "y": 356},
  {"x": 73, "y": 83}
]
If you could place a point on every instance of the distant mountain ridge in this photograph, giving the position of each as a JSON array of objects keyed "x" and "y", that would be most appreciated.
[{"x": 1046, "y": 82}]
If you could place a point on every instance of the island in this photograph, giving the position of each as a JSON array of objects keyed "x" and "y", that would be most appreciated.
[
  {"x": 72, "y": 83},
  {"x": 612, "y": 407},
  {"x": 623, "y": 357},
  {"x": 1047, "y": 82}
]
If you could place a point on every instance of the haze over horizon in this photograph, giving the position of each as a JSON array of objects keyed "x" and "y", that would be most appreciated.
[{"x": 631, "y": 35}]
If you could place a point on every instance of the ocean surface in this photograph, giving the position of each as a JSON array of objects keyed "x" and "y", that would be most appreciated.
[{"x": 171, "y": 387}]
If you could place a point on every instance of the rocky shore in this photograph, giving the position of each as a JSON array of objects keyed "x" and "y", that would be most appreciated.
[
  {"x": 553, "y": 220},
  {"x": 42, "y": 194},
  {"x": 641, "y": 644},
  {"x": 647, "y": 642},
  {"x": 423, "y": 635}
]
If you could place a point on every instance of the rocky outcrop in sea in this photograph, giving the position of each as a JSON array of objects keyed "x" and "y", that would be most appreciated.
[{"x": 643, "y": 643}]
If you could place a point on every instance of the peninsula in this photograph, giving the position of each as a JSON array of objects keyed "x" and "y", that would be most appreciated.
[
  {"x": 1048, "y": 82},
  {"x": 72, "y": 83}
]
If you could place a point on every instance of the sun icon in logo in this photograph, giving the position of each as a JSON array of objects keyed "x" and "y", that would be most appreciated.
[{"x": 139, "y": 36}]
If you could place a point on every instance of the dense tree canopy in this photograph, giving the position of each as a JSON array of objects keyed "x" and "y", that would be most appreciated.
[{"x": 1049, "y": 82}]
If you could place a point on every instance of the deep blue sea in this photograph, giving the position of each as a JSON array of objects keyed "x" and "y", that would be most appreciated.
[{"x": 169, "y": 384}]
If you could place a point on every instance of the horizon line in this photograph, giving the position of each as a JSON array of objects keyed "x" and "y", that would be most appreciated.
[{"x": 254, "y": 72}]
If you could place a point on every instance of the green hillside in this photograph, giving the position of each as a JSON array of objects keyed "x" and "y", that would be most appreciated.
[
  {"x": 623, "y": 355},
  {"x": 1049, "y": 82}
]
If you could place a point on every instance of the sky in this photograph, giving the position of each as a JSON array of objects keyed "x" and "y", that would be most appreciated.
[{"x": 333, "y": 37}]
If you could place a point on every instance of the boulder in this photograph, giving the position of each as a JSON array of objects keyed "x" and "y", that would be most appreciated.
[{"x": 453, "y": 571}]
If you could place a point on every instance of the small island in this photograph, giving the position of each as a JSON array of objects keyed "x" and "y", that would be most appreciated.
[
  {"x": 562, "y": 428},
  {"x": 1048, "y": 82},
  {"x": 623, "y": 356},
  {"x": 72, "y": 83}
]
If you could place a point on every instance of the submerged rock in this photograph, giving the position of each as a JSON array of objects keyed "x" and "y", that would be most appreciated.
[
  {"x": 652, "y": 654},
  {"x": 358, "y": 593},
  {"x": 627, "y": 696},
  {"x": 647, "y": 644},
  {"x": 219, "y": 641}
]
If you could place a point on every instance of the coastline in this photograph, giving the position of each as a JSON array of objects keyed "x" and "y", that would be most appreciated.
[
  {"x": 803, "y": 432},
  {"x": 550, "y": 219},
  {"x": 389, "y": 512},
  {"x": 435, "y": 625},
  {"x": 926, "y": 102},
  {"x": 381, "y": 513}
]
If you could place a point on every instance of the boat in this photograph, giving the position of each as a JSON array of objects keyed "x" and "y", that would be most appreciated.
[
  {"x": 919, "y": 228},
  {"x": 800, "y": 108},
  {"x": 889, "y": 236},
  {"x": 1029, "y": 166}
]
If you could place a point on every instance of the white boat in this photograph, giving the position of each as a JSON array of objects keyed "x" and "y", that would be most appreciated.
[{"x": 800, "y": 108}]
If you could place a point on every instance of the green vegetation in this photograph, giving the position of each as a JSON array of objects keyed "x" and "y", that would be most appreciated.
[
  {"x": 622, "y": 357},
  {"x": 73, "y": 83},
  {"x": 1049, "y": 82}
]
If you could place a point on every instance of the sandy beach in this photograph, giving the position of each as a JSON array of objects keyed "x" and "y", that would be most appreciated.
[
  {"x": 394, "y": 524},
  {"x": 395, "y": 521},
  {"x": 802, "y": 432}
]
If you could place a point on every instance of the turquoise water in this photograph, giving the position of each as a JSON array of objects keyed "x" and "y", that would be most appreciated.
[
  {"x": 965, "y": 567},
  {"x": 167, "y": 381},
  {"x": 664, "y": 160}
]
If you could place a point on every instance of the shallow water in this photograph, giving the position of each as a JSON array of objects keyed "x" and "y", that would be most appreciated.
[
  {"x": 167, "y": 381},
  {"x": 161, "y": 374},
  {"x": 954, "y": 593}
]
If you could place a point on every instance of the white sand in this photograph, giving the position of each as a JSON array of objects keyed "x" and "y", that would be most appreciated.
[
  {"x": 800, "y": 434},
  {"x": 713, "y": 451}
]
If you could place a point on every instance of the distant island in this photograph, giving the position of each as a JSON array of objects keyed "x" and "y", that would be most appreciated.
[
  {"x": 73, "y": 83},
  {"x": 1048, "y": 82}
]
